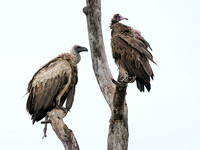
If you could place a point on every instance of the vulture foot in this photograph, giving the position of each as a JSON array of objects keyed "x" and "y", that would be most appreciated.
[
  {"x": 126, "y": 79},
  {"x": 62, "y": 108},
  {"x": 123, "y": 78},
  {"x": 119, "y": 83},
  {"x": 131, "y": 79}
]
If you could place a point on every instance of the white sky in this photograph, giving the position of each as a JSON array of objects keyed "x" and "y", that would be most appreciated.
[{"x": 167, "y": 118}]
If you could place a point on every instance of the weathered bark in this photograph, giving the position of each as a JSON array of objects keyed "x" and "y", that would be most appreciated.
[
  {"x": 65, "y": 135},
  {"x": 118, "y": 129},
  {"x": 113, "y": 93},
  {"x": 100, "y": 65}
]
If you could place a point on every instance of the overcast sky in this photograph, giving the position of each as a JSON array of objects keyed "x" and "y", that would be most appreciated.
[{"x": 167, "y": 118}]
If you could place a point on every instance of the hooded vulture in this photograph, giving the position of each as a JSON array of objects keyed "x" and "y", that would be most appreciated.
[
  {"x": 131, "y": 54},
  {"x": 53, "y": 84}
]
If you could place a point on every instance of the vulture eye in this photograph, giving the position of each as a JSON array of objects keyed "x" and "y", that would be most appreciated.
[
  {"x": 78, "y": 47},
  {"x": 118, "y": 18}
]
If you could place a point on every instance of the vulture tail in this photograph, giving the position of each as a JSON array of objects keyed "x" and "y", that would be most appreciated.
[
  {"x": 39, "y": 115},
  {"x": 141, "y": 84}
]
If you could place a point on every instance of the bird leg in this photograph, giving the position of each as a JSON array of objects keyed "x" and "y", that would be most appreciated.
[
  {"x": 123, "y": 75},
  {"x": 61, "y": 94}
]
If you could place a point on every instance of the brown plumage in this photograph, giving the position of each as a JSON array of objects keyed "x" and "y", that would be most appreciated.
[
  {"x": 53, "y": 84},
  {"x": 130, "y": 51}
]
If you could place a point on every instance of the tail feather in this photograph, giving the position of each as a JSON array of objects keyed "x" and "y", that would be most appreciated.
[{"x": 141, "y": 84}]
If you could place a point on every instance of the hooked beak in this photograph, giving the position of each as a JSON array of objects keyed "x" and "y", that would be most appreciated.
[
  {"x": 82, "y": 49},
  {"x": 123, "y": 18}
]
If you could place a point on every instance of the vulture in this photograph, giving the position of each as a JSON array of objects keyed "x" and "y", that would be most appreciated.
[
  {"x": 131, "y": 54},
  {"x": 53, "y": 84}
]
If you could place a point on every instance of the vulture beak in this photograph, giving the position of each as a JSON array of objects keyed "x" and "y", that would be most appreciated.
[
  {"x": 122, "y": 18},
  {"x": 81, "y": 49}
]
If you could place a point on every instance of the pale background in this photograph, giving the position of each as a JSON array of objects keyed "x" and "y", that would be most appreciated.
[{"x": 167, "y": 118}]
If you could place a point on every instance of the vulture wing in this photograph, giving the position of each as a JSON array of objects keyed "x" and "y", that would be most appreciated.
[
  {"x": 145, "y": 42},
  {"x": 45, "y": 86},
  {"x": 133, "y": 55},
  {"x": 139, "y": 44}
]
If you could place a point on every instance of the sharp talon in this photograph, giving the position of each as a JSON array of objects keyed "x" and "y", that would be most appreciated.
[
  {"x": 113, "y": 80},
  {"x": 119, "y": 83}
]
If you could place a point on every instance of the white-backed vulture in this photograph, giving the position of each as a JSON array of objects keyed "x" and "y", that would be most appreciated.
[
  {"x": 130, "y": 52},
  {"x": 53, "y": 84}
]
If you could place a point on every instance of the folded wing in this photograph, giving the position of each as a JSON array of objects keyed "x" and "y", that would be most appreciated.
[{"x": 46, "y": 85}]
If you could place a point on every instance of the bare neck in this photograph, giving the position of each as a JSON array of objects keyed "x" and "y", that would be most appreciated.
[{"x": 77, "y": 57}]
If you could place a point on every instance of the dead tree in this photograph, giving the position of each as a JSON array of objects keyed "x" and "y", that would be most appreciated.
[{"x": 113, "y": 93}]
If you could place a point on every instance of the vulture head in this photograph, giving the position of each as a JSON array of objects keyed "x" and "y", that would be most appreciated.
[
  {"x": 75, "y": 50},
  {"x": 116, "y": 18}
]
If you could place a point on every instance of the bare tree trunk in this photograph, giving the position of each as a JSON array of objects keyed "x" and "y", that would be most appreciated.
[
  {"x": 113, "y": 93},
  {"x": 65, "y": 135}
]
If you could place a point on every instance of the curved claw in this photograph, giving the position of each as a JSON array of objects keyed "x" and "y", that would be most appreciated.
[{"x": 118, "y": 83}]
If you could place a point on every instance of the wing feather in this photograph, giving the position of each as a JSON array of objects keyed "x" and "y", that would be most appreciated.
[
  {"x": 137, "y": 45},
  {"x": 145, "y": 42},
  {"x": 70, "y": 98}
]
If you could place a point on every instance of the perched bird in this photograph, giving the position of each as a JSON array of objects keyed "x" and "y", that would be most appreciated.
[
  {"x": 130, "y": 52},
  {"x": 53, "y": 84}
]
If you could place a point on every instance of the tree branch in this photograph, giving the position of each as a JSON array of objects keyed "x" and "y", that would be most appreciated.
[
  {"x": 118, "y": 129},
  {"x": 114, "y": 94},
  {"x": 99, "y": 59},
  {"x": 65, "y": 135}
]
